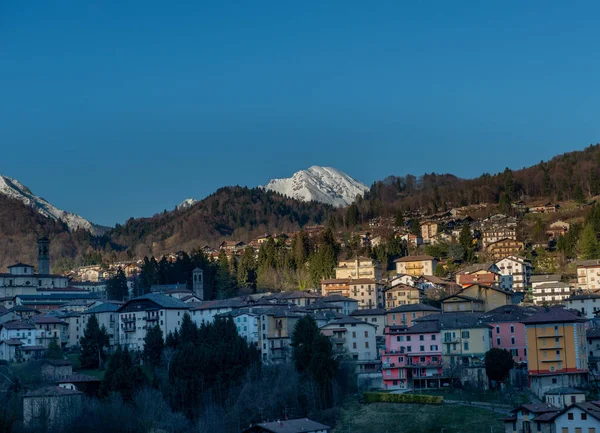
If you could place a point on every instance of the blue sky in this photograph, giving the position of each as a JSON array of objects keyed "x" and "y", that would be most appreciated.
[{"x": 115, "y": 109}]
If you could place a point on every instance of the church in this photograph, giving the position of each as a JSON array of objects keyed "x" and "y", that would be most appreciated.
[{"x": 22, "y": 279}]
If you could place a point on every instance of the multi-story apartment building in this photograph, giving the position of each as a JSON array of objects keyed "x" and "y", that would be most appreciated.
[
  {"x": 335, "y": 286},
  {"x": 477, "y": 298},
  {"x": 502, "y": 248},
  {"x": 401, "y": 294},
  {"x": 352, "y": 338},
  {"x": 275, "y": 328},
  {"x": 407, "y": 315},
  {"x": 557, "y": 350},
  {"x": 429, "y": 230},
  {"x": 139, "y": 314},
  {"x": 359, "y": 268},
  {"x": 416, "y": 266},
  {"x": 518, "y": 269},
  {"x": 507, "y": 330},
  {"x": 587, "y": 303},
  {"x": 588, "y": 275},
  {"x": 413, "y": 357},
  {"x": 374, "y": 316},
  {"x": 551, "y": 293},
  {"x": 466, "y": 337},
  {"x": 50, "y": 328},
  {"x": 107, "y": 315},
  {"x": 480, "y": 273},
  {"x": 246, "y": 322},
  {"x": 494, "y": 234},
  {"x": 369, "y": 293}
]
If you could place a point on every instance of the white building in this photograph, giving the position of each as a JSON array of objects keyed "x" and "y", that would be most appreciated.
[
  {"x": 137, "y": 315},
  {"x": 581, "y": 417},
  {"x": 208, "y": 310},
  {"x": 588, "y": 275},
  {"x": 246, "y": 323},
  {"x": 375, "y": 316},
  {"x": 551, "y": 293},
  {"x": 517, "y": 268},
  {"x": 353, "y": 337},
  {"x": 588, "y": 304},
  {"x": 107, "y": 315}
]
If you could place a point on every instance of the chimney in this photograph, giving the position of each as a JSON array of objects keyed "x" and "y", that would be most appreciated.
[{"x": 43, "y": 256}]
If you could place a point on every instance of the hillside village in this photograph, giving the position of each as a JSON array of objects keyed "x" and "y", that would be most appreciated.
[{"x": 461, "y": 287}]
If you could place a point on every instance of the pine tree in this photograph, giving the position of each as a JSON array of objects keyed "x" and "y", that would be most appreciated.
[
  {"x": 588, "y": 246},
  {"x": 116, "y": 287},
  {"x": 93, "y": 342},
  {"x": 122, "y": 376},
  {"x": 54, "y": 350},
  {"x": 246, "y": 273},
  {"x": 153, "y": 346}
]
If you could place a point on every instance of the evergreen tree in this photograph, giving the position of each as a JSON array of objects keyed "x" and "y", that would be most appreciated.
[
  {"x": 399, "y": 222},
  {"x": 116, "y": 287},
  {"x": 465, "y": 239},
  {"x": 153, "y": 346},
  {"x": 122, "y": 376},
  {"x": 415, "y": 227},
  {"x": 498, "y": 363},
  {"x": 246, "y": 273},
  {"x": 589, "y": 248},
  {"x": 54, "y": 350},
  {"x": 352, "y": 216},
  {"x": 93, "y": 342}
]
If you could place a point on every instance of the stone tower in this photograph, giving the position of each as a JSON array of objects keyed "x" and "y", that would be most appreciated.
[
  {"x": 198, "y": 283},
  {"x": 43, "y": 256}
]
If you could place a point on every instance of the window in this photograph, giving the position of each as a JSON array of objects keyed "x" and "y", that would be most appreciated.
[
  {"x": 433, "y": 337},
  {"x": 366, "y": 344},
  {"x": 353, "y": 334},
  {"x": 466, "y": 345},
  {"x": 512, "y": 329},
  {"x": 408, "y": 338},
  {"x": 354, "y": 345},
  {"x": 497, "y": 330},
  {"x": 422, "y": 348},
  {"x": 388, "y": 372},
  {"x": 512, "y": 340},
  {"x": 465, "y": 334},
  {"x": 421, "y": 338},
  {"x": 408, "y": 348},
  {"x": 583, "y": 416},
  {"x": 498, "y": 341},
  {"x": 554, "y": 381},
  {"x": 366, "y": 334},
  {"x": 570, "y": 416},
  {"x": 433, "y": 348}
]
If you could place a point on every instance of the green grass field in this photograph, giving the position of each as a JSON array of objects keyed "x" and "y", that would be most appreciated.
[
  {"x": 409, "y": 418},
  {"x": 486, "y": 397}
]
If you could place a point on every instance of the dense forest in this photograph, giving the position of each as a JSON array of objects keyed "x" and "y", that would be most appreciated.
[{"x": 244, "y": 213}]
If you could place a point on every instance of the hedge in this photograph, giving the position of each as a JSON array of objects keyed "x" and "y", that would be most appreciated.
[{"x": 377, "y": 397}]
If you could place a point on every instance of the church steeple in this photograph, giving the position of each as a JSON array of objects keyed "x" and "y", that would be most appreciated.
[{"x": 43, "y": 256}]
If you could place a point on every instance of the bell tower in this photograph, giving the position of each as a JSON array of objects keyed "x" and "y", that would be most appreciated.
[
  {"x": 43, "y": 256},
  {"x": 198, "y": 283}
]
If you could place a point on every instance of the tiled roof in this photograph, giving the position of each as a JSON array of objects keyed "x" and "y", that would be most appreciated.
[
  {"x": 292, "y": 426},
  {"x": 12, "y": 342},
  {"x": 369, "y": 312},
  {"x": 43, "y": 320},
  {"x": 163, "y": 301},
  {"x": 545, "y": 277},
  {"x": 52, "y": 391},
  {"x": 413, "y": 307},
  {"x": 18, "y": 324},
  {"x": 20, "y": 265},
  {"x": 105, "y": 307},
  {"x": 362, "y": 281},
  {"x": 414, "y": 258},
  {"x": 552, "y": 315},
  {"x": 336, "y": 281}
]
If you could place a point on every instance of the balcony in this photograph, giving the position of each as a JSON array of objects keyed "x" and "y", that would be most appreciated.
[
  {"x": 448, "y": 340},
  {"x": 425, "y": 364},
  {"x": 129, "y": 329},
  {"x": 338, "y": 340},
  {"x": 127, "y": 319},
  {"x": 151, "y": 318}
]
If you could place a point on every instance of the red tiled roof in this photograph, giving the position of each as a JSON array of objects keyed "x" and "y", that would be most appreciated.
[
  {"x": 414, "y": 258},
  {"x": 552, "y": 315}
]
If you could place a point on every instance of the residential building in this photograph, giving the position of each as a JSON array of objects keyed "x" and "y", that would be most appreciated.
[
  {"x": 587, "y": 303},
  {"x": 416, "y": 266},
  {"x": 411, "y": 239},
  {"x": 345, "y": 304},
  {"x": 374, "y": 316},
  {"x": 352, "y": 338},
  {"x": 51, "y": 404},
  {"x": 429, "y": 230},
  {"x": 480, "y": 273},
  {"x": 107, "y": 315},
  {"x": 413, "y": 357},
  {"x": 246, "y": 321},
  {"x": 50, "y": 328},
  {"x": 551, "y": 293},
  {"x": 139, "y": 314},
  {"x": 74, "y": 326},
  {"x": 557, "y": 352},
  {"x": 536, "y": 280},
  {"x": 300, "y": 298},
  {"x": 544, "y": 208},
  {"x": 359, "y": 268},
  {"x": 563, "y": 397},
  {"x": 275, "y": 334},
  {"x": 369, "y": 293},
  {"x": 407, "y": 315},
  {"x": 477, "y": 298},
  {"x": 401, "y": 294},
  {"x": 508, "y": 332},
  {"x": 14, "y": 336},
  {"x": 518, "y": 269},
  {"x": 529, "y": 418},
  {"x": 302, "y": 425},
  {"x": 335, "y": 286},
  {"x": 579, "y": 417},
  {"x": 558, "y": 228},
  {"x": 588, "y": 275},
  {"x": 208, "y": 310},
  {"x": 466, "y": 337},
  {"x": 502, "y": 248},
  {"x": 494, "y": 234},
  {"x": 405, "y": 279},
  {"x": 593, "y": 341}
]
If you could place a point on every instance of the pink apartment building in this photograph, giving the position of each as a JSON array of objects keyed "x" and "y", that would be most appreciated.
[
  {"x": 413, "y": 357},
  {"x": 507, "y": 331}
]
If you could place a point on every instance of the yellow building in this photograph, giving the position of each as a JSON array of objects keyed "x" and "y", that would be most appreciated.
[
  {"x": 359, "y": 267},
  {"x": 401, "y": 294},
  {"x": 477, "y": 298},
  {"x": 557, "y": 353},
  {"x": 429, "y": 230},
  {"x": 503, "y": 248},
  {"x": 416, "y": 266},
  {"x": 275, "y": 327}
]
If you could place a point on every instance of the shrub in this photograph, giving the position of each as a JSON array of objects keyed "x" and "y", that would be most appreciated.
[{"x": 381, "y": 397}]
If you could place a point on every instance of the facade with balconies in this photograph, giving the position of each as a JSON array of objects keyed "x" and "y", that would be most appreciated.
[
  {"x": 138, "y": 315},
  {"x": 352, "y": 339},
  {"x": 275, "y": 327},
  {"x": 416, "y": 266}
]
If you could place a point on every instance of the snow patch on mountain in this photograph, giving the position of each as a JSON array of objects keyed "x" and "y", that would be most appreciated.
[
  {"x": 322, "y": 184},
  {"x": 16, "y": 190},
  {"x": 187, "y": 203}
]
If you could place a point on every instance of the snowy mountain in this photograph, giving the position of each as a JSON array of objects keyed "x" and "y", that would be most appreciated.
[
  {"x": 322, "y": 184},
  {"x": 15, "y": 189},
  {"x": 187, "y": 203}
]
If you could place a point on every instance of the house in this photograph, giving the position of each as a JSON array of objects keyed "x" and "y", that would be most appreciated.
[
  {"x": 345, "y": 304},
  {"x": 50, "y": 328},
  {"x": 335, "y": 286},
  {"x": 466, "y": 337},
  {"x": 374, "y": 316},
  {"x": 74, "y": 323},
  {"x": 551, "y": 293},
  {"x": 246, "y": 322},
  {"x": 593, "y": 341},
  {"x": 14, "y": 336},
  {"x": 10, "y": 350},
  {"x": 416, "y": 266},
  {"x": 581, "y": 416},
  {"x": 50, "y": 404},
  {"x": 406, "y": 315},
  {"x": 302, "y": 425},
  {"x": 429, "y": 230},
  {"x": 301, "y": 298},
  {"x": 232, "y": 246},
  {"x": 401, "y": 294},
  {"x": 413, "y": 357},
  {"x": 587, "y": 304},
  {"x": 557, "y": 354},
  {"x": 544, "y": 208},
  {"x": 517, "y": 269},
  {"x": 480, "y": 273},
  {"x": 434, "y": 287},
  {"x": 54, "y": 369},
  {"x": 529, "y": 418},
  {"x": 588, "y": 275},
  {"x": 494, "y": 234},
  {"x": 107, "y": 315},
  {"x": 563, "y": 397},
  {"x": 18, "y": 312},
  {"x": 558, "y": 228},
  {"x": 369, "y": 293},
  {"x": 208, "y": 310},
  {"x": 359, "y": 268},
  {"x": 275, "y": 329},
  {"x": 477, "y": 298},
  {"x": 408, "y": 280},
  {"x": 353, "y": 337},
  {"x": 502, "y": 248},
  {"x": 508, "y": 332},
  {"x": 137, "y": 315}
]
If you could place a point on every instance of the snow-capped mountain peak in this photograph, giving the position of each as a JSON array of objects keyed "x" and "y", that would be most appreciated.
[
  {"x": 322, "y": 184},
  {"x": 16, "y": 190},
  {"x": 187, "y": 203}
]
